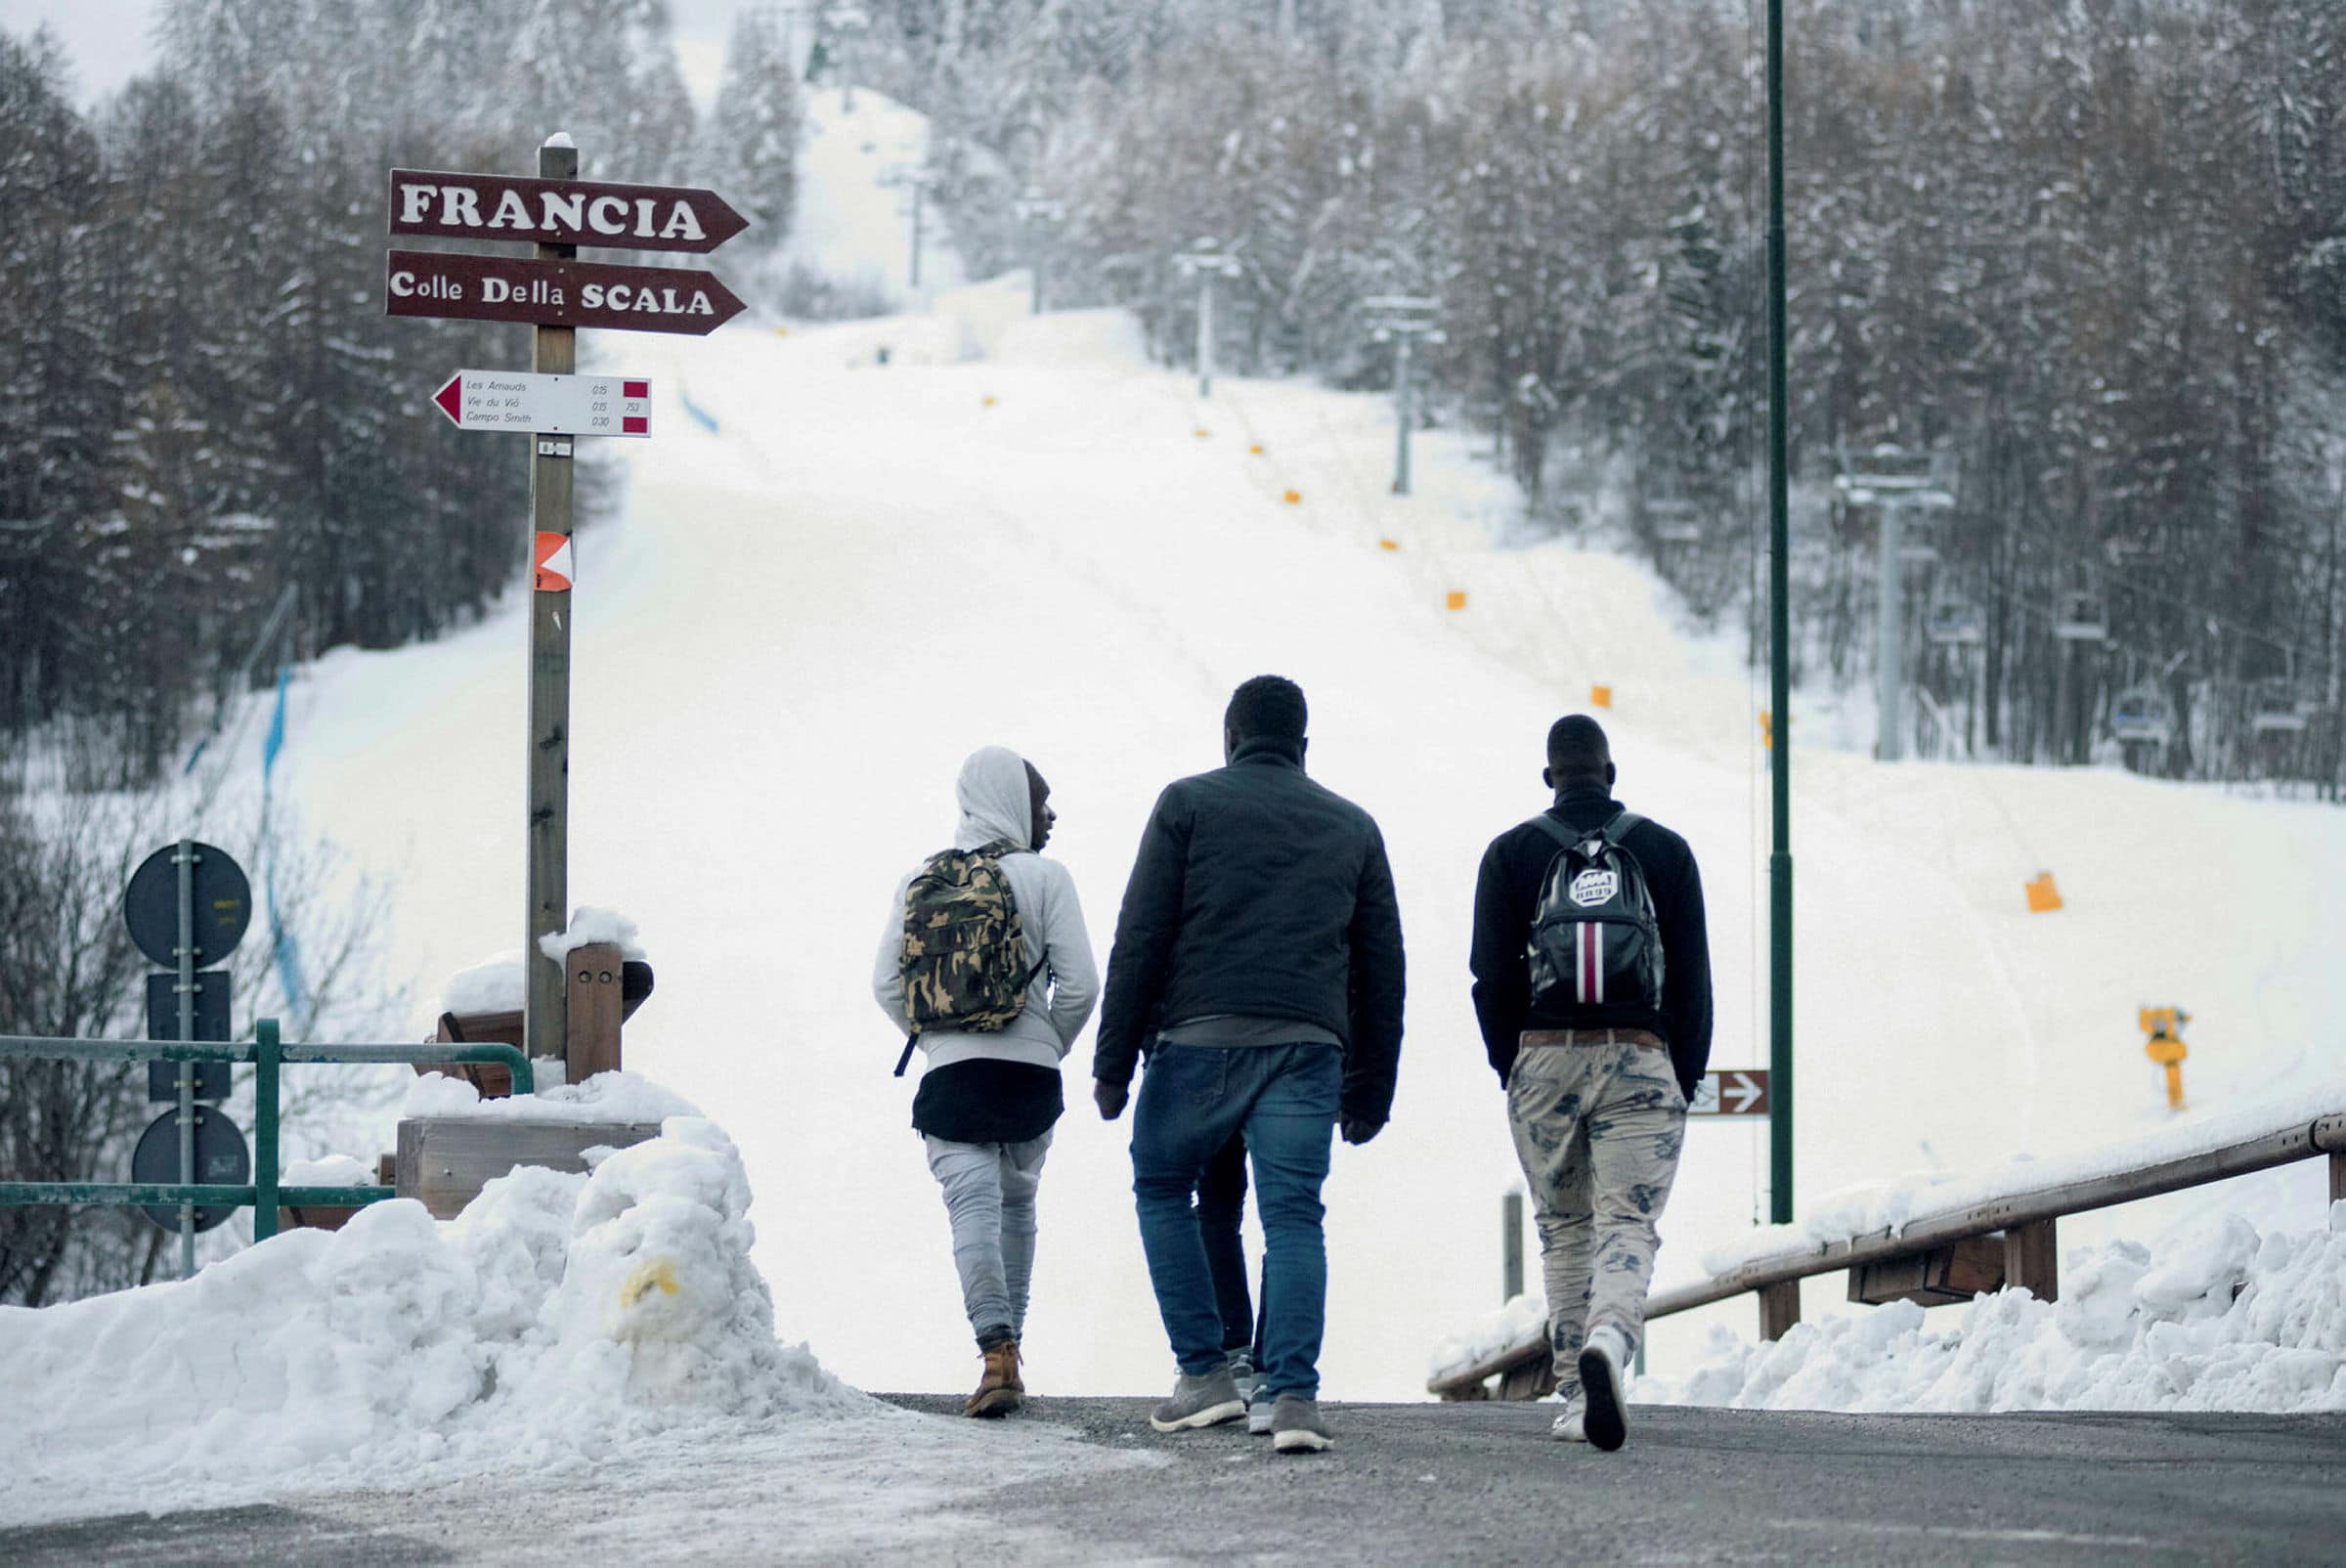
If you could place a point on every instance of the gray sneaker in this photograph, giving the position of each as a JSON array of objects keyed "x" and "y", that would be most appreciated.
[
  {"x": 1208, "y": 1400},
  {"x": 1243, "y": 1374},
  {"x": 1258, "y": 1416},
  {"x": 1297, "y": 1426}
]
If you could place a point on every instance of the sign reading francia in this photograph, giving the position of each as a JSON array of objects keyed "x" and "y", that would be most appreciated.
[
  {"x": 560, "y": 212},
  {"x": 524, "y": 402},
  {"x": 556, "y": 293}
]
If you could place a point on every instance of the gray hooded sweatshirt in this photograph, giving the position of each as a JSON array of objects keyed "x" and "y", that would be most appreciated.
[{"x": 997, "y": 804}]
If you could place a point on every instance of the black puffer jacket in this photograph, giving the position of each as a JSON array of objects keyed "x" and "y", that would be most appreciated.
[
  {"x": 1508, "y": 888},
  {"x": 1257, "y": 892}
]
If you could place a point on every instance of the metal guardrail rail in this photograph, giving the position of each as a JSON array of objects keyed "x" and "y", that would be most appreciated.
[
  {"x": 2026, "y": 1219},
  {"x": 266, "y": 1053}
]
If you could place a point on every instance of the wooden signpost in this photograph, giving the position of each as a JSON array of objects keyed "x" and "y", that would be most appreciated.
[{"x": 555, "y": 293}]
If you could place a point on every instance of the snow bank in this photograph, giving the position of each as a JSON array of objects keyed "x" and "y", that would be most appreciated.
[
  {"x": 557, "y": 1318},
  {"x": 2223, "y": 1319},
  {"x": 606, "y": 1096}
]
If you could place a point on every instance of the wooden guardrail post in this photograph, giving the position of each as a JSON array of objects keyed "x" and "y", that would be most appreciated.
[
  {"x": 2337, "y": 1177},
  {"x": 1779, "y": 1308},
  {"x": 2031, "y": 1260}
]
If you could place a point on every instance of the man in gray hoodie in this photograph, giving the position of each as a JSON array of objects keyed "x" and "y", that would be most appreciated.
[{"x": 989, "y": 1097}]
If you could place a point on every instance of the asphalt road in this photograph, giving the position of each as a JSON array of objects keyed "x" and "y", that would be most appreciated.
[{"x": 1404, "y": 1484}]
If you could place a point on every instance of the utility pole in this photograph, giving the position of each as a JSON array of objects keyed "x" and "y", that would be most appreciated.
[
  {"x": 1204, "y": 262},
  {"x": 1779, "y": 650},
  {"x": 1894, "y": 482},
  {"x": 848, "y": 25},
  {"x": 1040, "y": 216},
  {"x": 1402, "y": 320},
  {"x": 553, "y": 351}
]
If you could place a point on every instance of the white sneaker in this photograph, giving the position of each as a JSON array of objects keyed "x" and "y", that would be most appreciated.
[
  {"x": 1603, "y": 1355},
  {"x": 1573, "y": 1425}
]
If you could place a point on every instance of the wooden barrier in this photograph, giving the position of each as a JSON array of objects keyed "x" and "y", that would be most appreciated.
[
  {"x": 445, "y": 1160},
  {"x": 2022, "y": 1225}
]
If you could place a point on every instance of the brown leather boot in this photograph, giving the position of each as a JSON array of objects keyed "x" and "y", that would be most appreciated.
[{"x": 999, "y": 1391}]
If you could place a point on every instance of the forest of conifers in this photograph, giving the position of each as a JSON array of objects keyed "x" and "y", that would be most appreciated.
[{"x": 2087, "y": 255}]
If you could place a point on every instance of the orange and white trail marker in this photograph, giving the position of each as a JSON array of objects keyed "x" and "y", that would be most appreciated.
[{"x": 554, "y": 568}]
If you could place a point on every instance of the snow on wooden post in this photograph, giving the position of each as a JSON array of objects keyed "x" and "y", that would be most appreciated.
[{"x": 553, "y": 350}]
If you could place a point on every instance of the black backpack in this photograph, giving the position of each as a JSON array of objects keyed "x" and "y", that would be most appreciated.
[{"x": 1594, "y": 940}]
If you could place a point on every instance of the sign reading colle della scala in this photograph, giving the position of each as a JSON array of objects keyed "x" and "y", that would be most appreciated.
[
  {"x": 561, "y": 212},
  {"x": 557, "y": 294},
  {"x": 523, "y": 402}
]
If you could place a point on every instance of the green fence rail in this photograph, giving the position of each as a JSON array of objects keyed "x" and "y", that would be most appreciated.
[{"x": 266, "y": 1053}]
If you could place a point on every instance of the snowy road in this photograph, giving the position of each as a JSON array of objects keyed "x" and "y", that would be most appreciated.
[{"x": 1406, "y": 1484}]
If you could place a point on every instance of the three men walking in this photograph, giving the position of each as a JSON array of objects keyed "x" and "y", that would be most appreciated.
[{"x": 1258, "y": 969}]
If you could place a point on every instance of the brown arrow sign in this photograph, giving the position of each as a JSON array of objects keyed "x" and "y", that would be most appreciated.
[
  {"x": 561, "y": 212},
  {"x": 556, "y": 293}
]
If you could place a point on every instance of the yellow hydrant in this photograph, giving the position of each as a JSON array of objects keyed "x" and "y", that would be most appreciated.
[{"x": 2164, "y": 1027}]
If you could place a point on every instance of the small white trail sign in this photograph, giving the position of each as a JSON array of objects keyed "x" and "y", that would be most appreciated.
[{"x": 527, "y": 402}]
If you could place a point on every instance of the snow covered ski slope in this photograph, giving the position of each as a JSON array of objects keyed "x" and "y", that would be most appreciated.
[{"x": 1019, "y": 532}]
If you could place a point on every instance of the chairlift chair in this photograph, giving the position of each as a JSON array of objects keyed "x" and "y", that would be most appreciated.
[
  {"x": 2142, "y": 714},
  {"x": 1674, "y": 521},
  {"x": 2276, "y": 708},
  {"x": 2081, "y": 618},
  {"x": 1956, "y": 623}
]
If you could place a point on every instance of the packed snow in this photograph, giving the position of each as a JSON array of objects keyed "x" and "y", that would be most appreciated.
[
  {"x": 606, "y": 1096},
  {"x": 2210, "y": 1315},
  {"x": 558, "y": 1319},
  {"x": 329, "y": 1170},
  {"x": 588, "y": 926}
]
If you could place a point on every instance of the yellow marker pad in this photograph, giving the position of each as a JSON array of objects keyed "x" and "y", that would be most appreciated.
[
  {"x": 781, "y": 331},
  {"x": 1295, "y": 498},
  {"x": 2043, "y": 897},
  {"x": 1600, "y": 696},
  {"x": 2165, "y": 1050},
  {"x": 655, "y": 1274},
  {"x": 1256, "y": 449},
  {"x": 1387, "y": 544},
  {"x": 1456, "y": 599},
  {"x": 1201, "y": 432},
  {"x": 988, "y": 400}
]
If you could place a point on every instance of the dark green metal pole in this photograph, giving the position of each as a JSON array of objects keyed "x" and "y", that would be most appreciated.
[
  {"x": 1779, "y": 649},
  {"x": 264, "y": 1129}
]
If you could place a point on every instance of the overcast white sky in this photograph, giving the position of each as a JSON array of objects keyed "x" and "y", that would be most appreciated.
[{"x": 107, "y": 40}]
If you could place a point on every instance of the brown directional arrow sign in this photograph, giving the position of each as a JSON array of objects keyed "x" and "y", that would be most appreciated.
[
  {"x": 560, "y": 212},
  {"x": 556, "y": 293},
  {"x": 1731, "y": 1092}
]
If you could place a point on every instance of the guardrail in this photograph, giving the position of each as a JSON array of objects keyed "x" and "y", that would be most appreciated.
[
  {"x": 265, "y": 1194},
  {"x": 2024, "y": 1221}
]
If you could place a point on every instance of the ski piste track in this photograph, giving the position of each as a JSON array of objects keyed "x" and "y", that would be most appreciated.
[
  {"x": 776, "y": 574},
  {"x": 1404, "y": 1484}
]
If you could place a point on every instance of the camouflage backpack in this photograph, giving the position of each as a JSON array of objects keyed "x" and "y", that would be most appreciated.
[{"x": 964, "y": 960}]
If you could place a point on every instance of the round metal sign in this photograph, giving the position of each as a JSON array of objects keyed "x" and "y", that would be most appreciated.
[
  {"x": 221, "y": 1160},
  {"x": 223, "y": 901}
]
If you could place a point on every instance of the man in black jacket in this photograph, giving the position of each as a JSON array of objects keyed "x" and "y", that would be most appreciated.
[
  {"x": 1258, "y": 962},
  {"x": 1597, "y": 1090}
]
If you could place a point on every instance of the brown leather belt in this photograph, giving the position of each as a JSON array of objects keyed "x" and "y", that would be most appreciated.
[{"x": 1643, "y": 1040}]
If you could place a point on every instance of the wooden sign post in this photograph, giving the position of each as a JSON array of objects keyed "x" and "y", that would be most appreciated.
[
  {"x": 553, "y": 351},
  {"x": 555, "y": 294}
]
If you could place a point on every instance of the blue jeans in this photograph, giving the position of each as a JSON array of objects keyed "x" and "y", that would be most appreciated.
[{"x": 1193, "y": 1099}]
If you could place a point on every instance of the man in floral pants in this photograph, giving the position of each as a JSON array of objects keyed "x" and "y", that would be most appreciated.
[{"x": 1600, "y": 1050}]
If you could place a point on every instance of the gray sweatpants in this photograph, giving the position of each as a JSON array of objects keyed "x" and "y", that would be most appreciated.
[
  {"x": 1597, "y": 1128},
  {"x": 990, "y": 1196}
]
